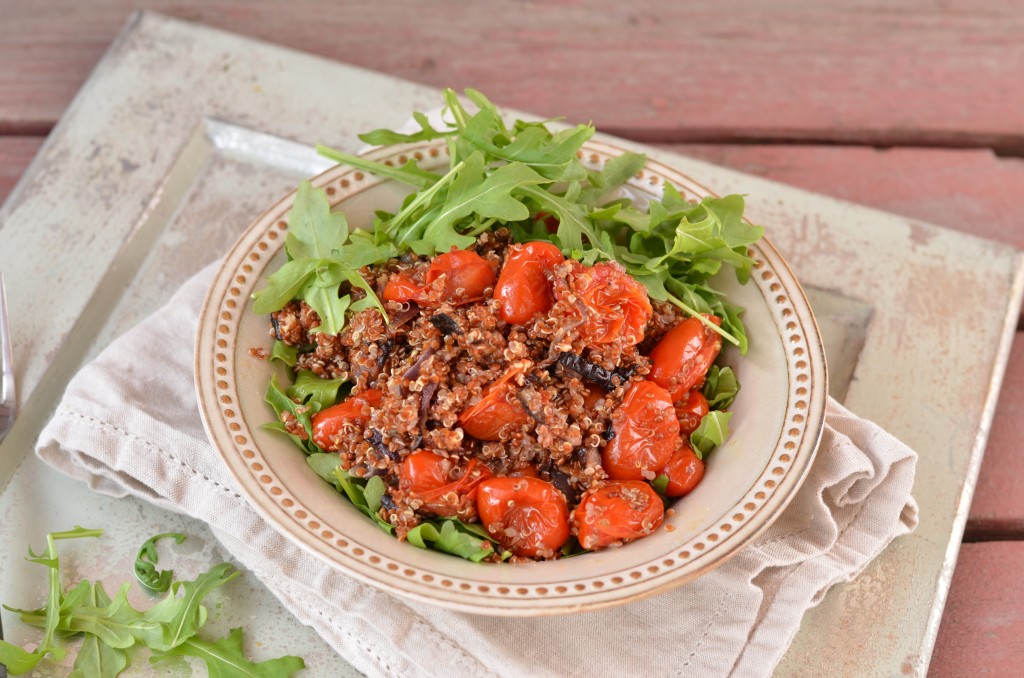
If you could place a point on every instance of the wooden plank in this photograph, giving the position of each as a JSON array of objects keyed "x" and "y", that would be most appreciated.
[
  {"x": 918, "y": 72},
  {"x": 998, "y": 508},
  {"x": 15, "y": 155},
  {"x": 973, "y": 191},
  {"x": 982, "y": 632}
]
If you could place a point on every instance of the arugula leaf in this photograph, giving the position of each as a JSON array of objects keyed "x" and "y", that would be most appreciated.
[
  {"x": 281, "y": 403},
  {"x": 449, "y": 539},
  {"x": 181, "y": 617},
  {"x": 713, "y": 430},
  {"x": 355, "y": 490},
  {"x": 314, "y": 231},
  {"x": 615, "y": 173},
  {"x": 283, "y": 285},
  {"x": 286, "y": 353},
  {"x": 489, "y": 196},
  {"x": 372, "y": 493},
  {"x": 17, "y": 659},
  {"x": 323, "y": 464},
  {"x": 323, "y": 298},
  {"x": 328, "y": 467},
  {"x": 96, "y": 659},
  {"x": 720, "y": 387},
  {"x": 409, "y": 173},
  {"x": 115, "y": 622},
  {"x": 112, "y": 626},
  {"x": 145, "y": 563},
  {"x": 225, "y": 658},
  {"x": 308, "y": 387},
  {"x": 427, "y": 132},
  {"x": 660, "y": 484}
]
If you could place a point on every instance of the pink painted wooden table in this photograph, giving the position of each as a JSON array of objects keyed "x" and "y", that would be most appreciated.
[{"x": 910, "y": 107}]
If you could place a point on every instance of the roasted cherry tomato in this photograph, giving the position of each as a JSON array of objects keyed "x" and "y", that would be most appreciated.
[
  {"x": 684, "y": 471},
  {"x": 444, "y": 488},
  {"x": 523, "y": 287},
  {"x": 616, "y": 304},
  {"x": 646, "y": 432},
  {"x": 401, "y": 288},
  {"x": 682, "y": 358},
  {"x": 527, "y": 516},
  {"x": 690, "y": 409},
  {"x": 498, "y": 408},
  {"x": 617, "y": 511},
  {"x": 467, "y": 275},
  {"x": 353, "y": 410}
]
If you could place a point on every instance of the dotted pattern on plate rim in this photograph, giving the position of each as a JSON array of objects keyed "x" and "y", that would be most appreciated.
[{"x": 794, "y": 336}]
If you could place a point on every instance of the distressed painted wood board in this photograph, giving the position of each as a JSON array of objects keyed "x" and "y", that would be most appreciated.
[
  {"x": 985, "y": 634},
  {"x": 998, "y": 508},
  {"x": 144, "y": 162},
  {"x": 890, "y": 73}
]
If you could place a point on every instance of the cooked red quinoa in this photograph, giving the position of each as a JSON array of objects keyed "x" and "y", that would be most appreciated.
[{"x": 441, "y": 353}]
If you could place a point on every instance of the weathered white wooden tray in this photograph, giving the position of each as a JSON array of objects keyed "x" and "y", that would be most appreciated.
[{"x": 183, "y": 132}]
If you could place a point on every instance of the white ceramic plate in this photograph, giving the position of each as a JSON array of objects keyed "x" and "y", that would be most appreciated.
[{"x": 775, "y": 429}]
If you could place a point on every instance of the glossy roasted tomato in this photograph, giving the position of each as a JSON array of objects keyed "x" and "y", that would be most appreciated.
[
  {"x": 682, "y": 358},
  {"x": 523, "y": 287},
  {"x": 402, "y": 288},
  {"x": 354, "y": 410},
  {"x": 527, "y": 516},
  {"x": 467, "y": 275},
  {"x": 444, "y": 488},
  {"x": 646, "y": 432},
  {"x": 684, "y": 471},
  {"x": 690, "y": 409},
  {"x": 616, "y": 304},
  {"x": 617, "y": 511},
  {"x": 497, "y": 409}
]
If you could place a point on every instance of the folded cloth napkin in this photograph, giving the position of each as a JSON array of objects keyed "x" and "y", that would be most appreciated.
[{"x": 129, "y": 425}]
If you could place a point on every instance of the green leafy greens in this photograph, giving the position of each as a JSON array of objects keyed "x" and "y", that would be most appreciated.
[
  {"x": 145, "y": 564},
  {"x": 500, "y": 176},
  {"x": 111, "y": 626}
]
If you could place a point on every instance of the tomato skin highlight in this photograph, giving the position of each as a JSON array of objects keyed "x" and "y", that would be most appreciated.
[
  {"x": 690, "y": 409},
  {"x": 523, "y": 287},
  {"x": 646, "y": 432},
  {"x": 680, "y": 361},
  {"x": 353, "y": 410},
  {"x": 402, "y": 288},
  {"x": 528, "y": 516},
  {"x": 498, "y": 408},
  {"x": 684, "y": 470},
  {"x": 467, "y": 275},
  {"x": 431, "y": 478},
  {"x": 617, "y": 511},
  {"x": 616, "y": 304}
]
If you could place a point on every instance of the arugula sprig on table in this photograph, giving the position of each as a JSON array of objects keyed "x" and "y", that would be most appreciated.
[{"x": 111, "y": 627}]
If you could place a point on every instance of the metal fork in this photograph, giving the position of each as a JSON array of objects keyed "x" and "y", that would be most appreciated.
[{"x": 8, "y": 399}]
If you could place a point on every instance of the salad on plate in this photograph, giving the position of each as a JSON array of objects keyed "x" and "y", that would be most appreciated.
[{"x": 520, "y": 362}]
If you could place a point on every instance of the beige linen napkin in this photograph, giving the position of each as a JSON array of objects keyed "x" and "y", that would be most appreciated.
[{"x": 129, "y": 424}]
